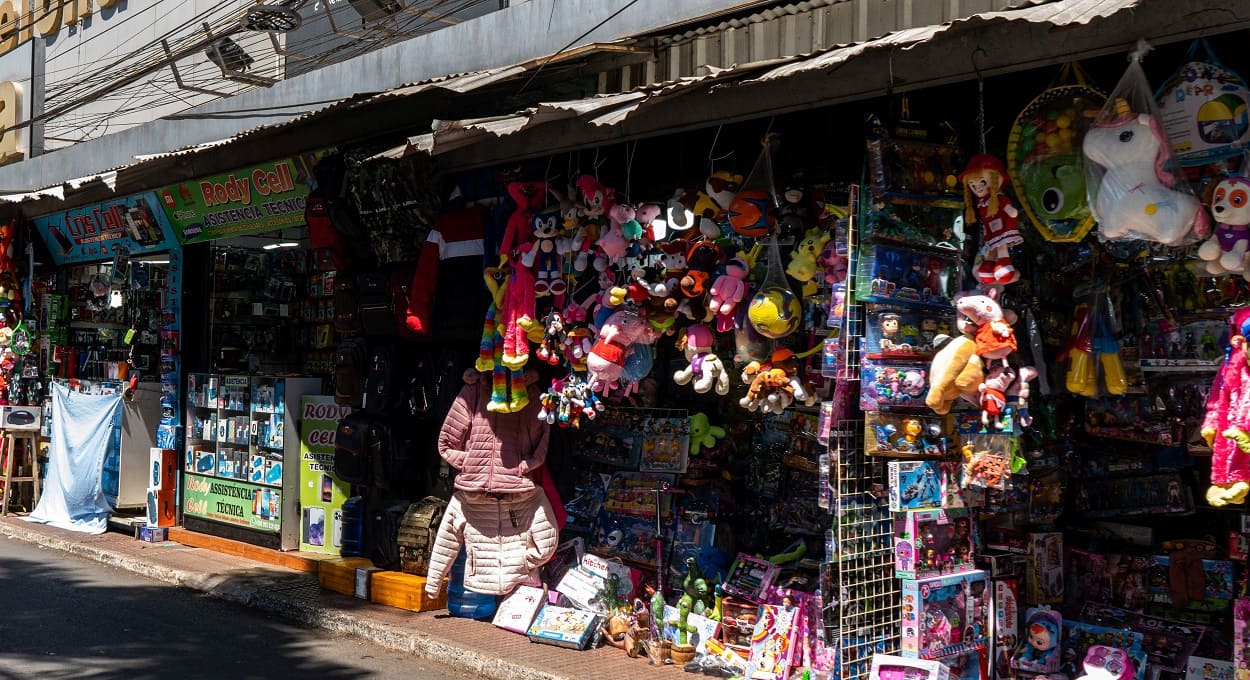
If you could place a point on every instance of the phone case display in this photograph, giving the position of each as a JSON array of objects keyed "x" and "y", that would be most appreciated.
[
  {"x": 322, "y": 493},
  {"x": 893, "y": 385},
  {"x": 242, "y": 469},
  {"x": 904, "y": 435},
  {"x": 890, "y": 274},
  {"x": 945, "y": 615},
  {"x": 930, "y": 543}
]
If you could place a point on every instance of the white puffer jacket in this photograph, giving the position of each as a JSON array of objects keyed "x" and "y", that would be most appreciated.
[{"x": 506, "y": 537}]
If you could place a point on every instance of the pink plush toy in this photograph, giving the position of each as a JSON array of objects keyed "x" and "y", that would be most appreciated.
[
  {"x": 727, "y": 292},
  {"x": 607, "y": 358},
  {"x": 1227, "y": 424},
  {"x": 613, "y": 244}
]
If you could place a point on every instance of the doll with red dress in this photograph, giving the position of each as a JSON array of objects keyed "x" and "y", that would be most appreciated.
[{"x": 984, "y": 182}]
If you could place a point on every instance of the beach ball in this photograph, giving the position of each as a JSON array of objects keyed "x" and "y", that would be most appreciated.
[
  {"x": 775, "y": 312},
  {"x": 748, "y": 214}
]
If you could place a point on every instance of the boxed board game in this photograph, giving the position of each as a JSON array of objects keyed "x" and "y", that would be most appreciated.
[{"x": 563, "y": 627}]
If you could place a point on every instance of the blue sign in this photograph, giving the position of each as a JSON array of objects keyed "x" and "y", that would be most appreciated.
[{"x": 93, "y": 233}]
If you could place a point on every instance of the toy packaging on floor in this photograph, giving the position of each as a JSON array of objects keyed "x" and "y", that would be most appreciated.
[{"x": 899, "y": 411}]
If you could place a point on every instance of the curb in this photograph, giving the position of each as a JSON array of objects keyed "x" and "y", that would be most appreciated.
[{"x": 421, "y": 645}]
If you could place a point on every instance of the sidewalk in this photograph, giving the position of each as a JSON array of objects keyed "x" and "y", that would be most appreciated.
[{"x": 470, "y": 646}]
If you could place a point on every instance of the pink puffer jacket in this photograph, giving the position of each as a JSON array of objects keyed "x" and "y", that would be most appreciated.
[{"x": 493, "y": 452}]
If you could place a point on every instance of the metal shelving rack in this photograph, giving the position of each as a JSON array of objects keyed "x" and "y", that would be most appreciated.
[{"x": 861, "y": 612}]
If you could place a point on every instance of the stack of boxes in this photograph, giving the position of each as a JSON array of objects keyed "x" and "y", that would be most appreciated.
[{"x": 162, "y": 493}]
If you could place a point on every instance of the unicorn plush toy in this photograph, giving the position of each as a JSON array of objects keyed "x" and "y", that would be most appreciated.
[{"x": 1135, "y": 198}]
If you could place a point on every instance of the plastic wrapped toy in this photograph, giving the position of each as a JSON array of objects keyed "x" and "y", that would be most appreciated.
[
  {"x": 1226, "y": 426},
  {"x": 1132, "y": 189},
  {"x": 1203, "y": 107}
]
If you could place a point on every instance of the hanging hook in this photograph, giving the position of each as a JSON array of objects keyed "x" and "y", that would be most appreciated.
[{"x": 598, "y": 162}]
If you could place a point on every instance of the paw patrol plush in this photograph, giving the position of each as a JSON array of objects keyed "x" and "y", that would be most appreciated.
[{"x": 1225, "y": 251}]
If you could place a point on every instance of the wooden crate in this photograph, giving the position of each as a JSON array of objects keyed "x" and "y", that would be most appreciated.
[
  {"x": 405, "y": 591},
  {"x": 347, "y": 575}
]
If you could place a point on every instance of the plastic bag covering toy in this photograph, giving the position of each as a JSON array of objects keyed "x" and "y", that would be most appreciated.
[
  {"x": 1225, "y": 251},
  {"x": 607, "y": 358},
  {"x": 1226, "y": 426},
  {"x": 703, "y": 434},
  {"x": 1044, "y": 156},
  {"x": 1203, "y": 107},
  {"x": 774, "y": 385},
  {"x": 1092, "y": 334},
  {"x": 727, "y": 291},
  {"x": 984, "y": 181},
  {"x": 705, "y": 370}
]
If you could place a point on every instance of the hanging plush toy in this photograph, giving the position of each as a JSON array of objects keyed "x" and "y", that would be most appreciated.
[
  {"x": 984, "y": 182},
  {"x": 593, "y": 221},
  {"x": 673, "y": 260},
  {"x": 1135, "y": 198},
  {"x": 712, "y": 204},
  {"x": 612, "y": 244},
  {"x": 705, "y": 369},
  {"x": 727, "y": 291},
  {"x": 1225, "y": 251},
  {"x": 529, "y": 197},
  {"x": 555, "y": 337},
  {"x": 543, "y": 255},
  {"x": 508, "y": 393},
  {"x": 774, "y": 385},
  {"x": 804, "y": 260},
  {"x": 703, "y": 434},
  {"x": 607, "y": 358},
  {"x": 1226, "y": 426}
]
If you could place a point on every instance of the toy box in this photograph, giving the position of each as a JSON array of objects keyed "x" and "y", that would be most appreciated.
[
  {"x": 1038, "y": 645},
  {"x": 1217, "y": 577},
  {"x": 944, "y": 615},
  {"x": 887, "y": 667},
  {"x": 750, "y": 577},
  {"x": 563, "y": 627},
  {"x": 916, "y": 485},
  {"x": 887, "y": 385},
  {"x": 1079, "y": 636},
  {"x": 1241, "y": 638},
  {"x": 905, "y": 435},
  {"x": 970, "y": 665},
  {"x": 930, "y": 543},
  {"x": 773, "y": 643},
  {"x": 1043, "y": 576},
  {"x": 892, "y": 275},
  {"x": 517, "y": 611},
  {"x": 1202, "y": 668},
  {"x": 1006, "y": 623},
  {"x": 1168, "y": 644},
  {"x": 903, "y": 333}
]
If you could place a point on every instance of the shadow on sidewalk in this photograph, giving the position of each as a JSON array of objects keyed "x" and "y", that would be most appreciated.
[{"x": 63, "y": 619}]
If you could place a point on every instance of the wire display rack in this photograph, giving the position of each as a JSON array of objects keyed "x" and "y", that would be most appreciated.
[{"x": 861, "y": 593}]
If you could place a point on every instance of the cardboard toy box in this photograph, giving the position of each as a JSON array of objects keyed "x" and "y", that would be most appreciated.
[
  {"x": 930, "y": 543},
  {"x": 916, "y": 485},
  {"x": 1200, "y": 668},
  {"x": 1217, "y": 592},
  {"x": 1044, "y": 581},
  {"x": 887, "y": 667},
  {"x": 404, "y": 591},
  {"x": 517, "y": 611},
  {"x": 945, "y": 615},
  {"x": 1241, "y": 638},
  {"x": 563, "y": 627},
  {"x": 346, "y": 575}
]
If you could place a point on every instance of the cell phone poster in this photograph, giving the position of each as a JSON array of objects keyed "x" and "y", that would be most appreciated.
[
  {"x": 136, "y": 224},
  {"x": 321, "y": 493}
]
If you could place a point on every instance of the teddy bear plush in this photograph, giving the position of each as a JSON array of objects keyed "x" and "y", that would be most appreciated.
[{"x": 956, "y": 369}]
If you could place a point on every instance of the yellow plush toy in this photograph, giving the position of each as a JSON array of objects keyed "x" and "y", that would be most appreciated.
[
  {"x": 956, "y": 371},
  {"x": 803, "y": 265}
]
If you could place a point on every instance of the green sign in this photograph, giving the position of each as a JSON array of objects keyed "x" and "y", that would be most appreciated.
[
  {"x": 231, "y": 502},
  {"x": 262, "y": 198},
  {"x": 321, "y": 493}
]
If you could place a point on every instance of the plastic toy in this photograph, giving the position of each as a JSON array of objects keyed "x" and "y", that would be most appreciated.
[
  {"x": 1135, "y": 198},
  {"x": 944, "y": 615},
  {"x": 703, "y": 435},
  {"x": 727, "y": 291},
  {"x": 705, "y": 370},
  {"x": 1091, "y": 335},
  {"x": 1038, "y": 650},
  {"x": 1226, "y": 426},
  {"x": 1203, "y": 108},
  {"x": 890, "y": 434},
  {"x": 1225, "y": 251},
  {"x": 893, "y": 275},
  {"x": 886, "y": 667},
  {"x": 984, "y": 181},
  {"x": 930, "y": 543},
  {"x": 892, "y": 385},
  {"x": 915, "y": 485},
  {"x": 1107, "y": 663},
  {"x": 901, "y": 332}
]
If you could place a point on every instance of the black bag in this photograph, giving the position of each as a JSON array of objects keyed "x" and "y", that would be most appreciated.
[
  {"x": 346, "y": 305},
  {"x": 384, "y": 522},
  {"x": 383, "y": 385},
  {"x": 351, "y": 449},
  {"x": 331, "y": 174},
  {"x": 350, "y": 365},
  {"x": 377, "y": 313},
  {"x": 388, "y": 453},
  {"x": 435, "y": 382}
]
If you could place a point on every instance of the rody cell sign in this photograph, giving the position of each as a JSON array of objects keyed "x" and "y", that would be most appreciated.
[{"x": 247, "y": 201}]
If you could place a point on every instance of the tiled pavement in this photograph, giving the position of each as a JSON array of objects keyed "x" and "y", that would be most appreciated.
[{"x": 472, "y": 646}]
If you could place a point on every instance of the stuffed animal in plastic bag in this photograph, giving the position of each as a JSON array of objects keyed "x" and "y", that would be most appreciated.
[
  {"x": 705, "y": 370},
  {"x": 1135, "y": 198},
  {"x": 1226, "y": 427},
  {"x": 1225, "y": 251}
]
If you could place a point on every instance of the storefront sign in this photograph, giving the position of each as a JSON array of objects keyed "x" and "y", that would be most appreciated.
[
  {"x": 252, "y": 200},
  {"x": 231, "y": 502},
  {"x": 321, "y": 493},
  {"x": 95, "y": 232}
]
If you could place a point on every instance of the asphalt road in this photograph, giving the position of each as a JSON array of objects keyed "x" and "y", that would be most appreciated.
[{"x": 65, "y": 617}]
